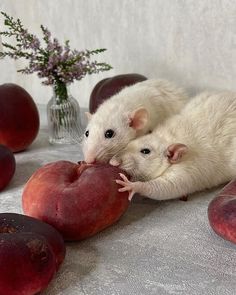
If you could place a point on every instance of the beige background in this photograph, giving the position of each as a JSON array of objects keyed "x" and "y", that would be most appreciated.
[{"x": 190, "y": 42}]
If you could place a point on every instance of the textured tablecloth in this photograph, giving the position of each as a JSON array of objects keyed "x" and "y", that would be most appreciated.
[{"x": 157, "y": 248}]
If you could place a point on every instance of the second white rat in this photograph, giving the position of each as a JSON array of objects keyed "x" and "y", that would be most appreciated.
[
  {"x": 189, "y": 152},
  {"x": 134, "y": 111}
]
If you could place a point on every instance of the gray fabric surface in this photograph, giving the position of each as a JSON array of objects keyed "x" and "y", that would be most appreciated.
[{"x": 156, "y": 248}]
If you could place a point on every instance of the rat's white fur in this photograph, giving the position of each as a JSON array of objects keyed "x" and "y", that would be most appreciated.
[
  {"x": 207, "y": 126},
  {"x": 159, "y": 97}
]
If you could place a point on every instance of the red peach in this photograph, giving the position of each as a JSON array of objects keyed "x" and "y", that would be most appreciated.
[
  {"x": 19, "y": 123},
  {"x": 7, "y": 166},
  {"x": 110, "y": 86},
  {"x": 31, "y": 251},
  {"x": 77, "y": 199},
  {"x": 222, "y": 213}
]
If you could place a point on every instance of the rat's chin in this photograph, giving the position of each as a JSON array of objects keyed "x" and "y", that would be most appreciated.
[
  {"x": 101, "y": 160},
  {"x": 129, "y": 170}
]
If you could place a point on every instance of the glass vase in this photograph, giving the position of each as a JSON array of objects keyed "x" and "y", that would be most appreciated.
[{"x": 64, "y": 117}]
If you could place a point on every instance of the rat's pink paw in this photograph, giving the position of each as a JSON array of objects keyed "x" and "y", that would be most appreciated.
[{"x": 127, "y": 186}]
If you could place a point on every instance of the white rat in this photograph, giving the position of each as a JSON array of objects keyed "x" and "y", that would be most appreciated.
[
  {"x": 134, "y": 111},
  {"x": 189, "y": 152}
]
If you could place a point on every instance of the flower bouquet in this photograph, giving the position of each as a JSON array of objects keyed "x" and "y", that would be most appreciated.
[{"x": 59, "y": 66}]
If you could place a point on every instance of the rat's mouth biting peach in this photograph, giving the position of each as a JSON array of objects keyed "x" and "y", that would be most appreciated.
[
  {"x": 31, "y": 252},
  {"x": 77, "y": 199},
  {"x": 222, "y": 212}
]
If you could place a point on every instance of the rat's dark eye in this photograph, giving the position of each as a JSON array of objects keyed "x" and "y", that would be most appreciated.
[
  {"x": 86, "y": 133},
  {"x": 109, "y": 133},
  {"x": 145, "y": 151}
]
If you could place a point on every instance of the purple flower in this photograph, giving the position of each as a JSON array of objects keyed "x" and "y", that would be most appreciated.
[{"x": 53, "y": 62}]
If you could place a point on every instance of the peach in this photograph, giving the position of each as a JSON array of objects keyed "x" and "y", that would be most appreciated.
[
  {"x": 79, "y": 200},
  {"x": 110, "y": 86},
  {"x": 7, "y": 166},
  {"x": 222, "y": 212},
  {"x": 31, "y": 251},
  {"x": 19, "y": 124}
]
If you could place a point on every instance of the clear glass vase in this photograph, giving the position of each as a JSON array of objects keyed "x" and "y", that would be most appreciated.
[{"x": 64, "y": 117}]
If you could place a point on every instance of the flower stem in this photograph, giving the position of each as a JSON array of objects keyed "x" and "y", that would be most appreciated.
[{"x": 61, "y": 92}]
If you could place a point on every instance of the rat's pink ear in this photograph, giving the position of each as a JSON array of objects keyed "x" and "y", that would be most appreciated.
[
  {"x": 88, "y": 115},
  {"x": 175, "y": 151},
  {"x": 138, "y": 118}
]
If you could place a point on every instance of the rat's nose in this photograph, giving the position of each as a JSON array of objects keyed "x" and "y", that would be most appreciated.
[
  {"x": 89, "y": 158},
  {"x": 90, "y": 155}
]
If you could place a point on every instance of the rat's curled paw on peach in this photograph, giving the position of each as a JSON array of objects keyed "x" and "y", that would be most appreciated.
[{"x": 131, "y": 187}]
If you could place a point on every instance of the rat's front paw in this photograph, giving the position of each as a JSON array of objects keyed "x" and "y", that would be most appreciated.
[{"x": 129, "y": 186}]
